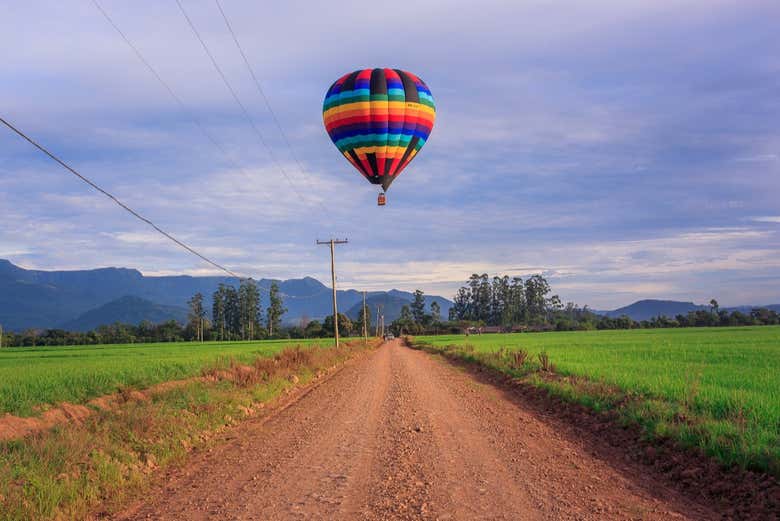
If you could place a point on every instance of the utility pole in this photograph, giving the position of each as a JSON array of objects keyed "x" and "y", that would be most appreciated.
[
  {"x": 378, "y": 307},
  {"x": 365, "y": 320},
  {"x": 333, "y": 243}
]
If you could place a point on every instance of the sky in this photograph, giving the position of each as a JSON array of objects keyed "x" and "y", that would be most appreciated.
[{"x": 625, "y": 150}]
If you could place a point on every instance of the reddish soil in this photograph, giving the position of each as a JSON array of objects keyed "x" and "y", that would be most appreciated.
[
  {"x": 399, "y": 434},
  {"x": 14, "y": 427}
]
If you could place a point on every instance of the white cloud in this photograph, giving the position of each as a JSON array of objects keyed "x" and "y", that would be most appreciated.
[
  {"x": 767, "y": 219},
  {"x": 761, "y": 158}
]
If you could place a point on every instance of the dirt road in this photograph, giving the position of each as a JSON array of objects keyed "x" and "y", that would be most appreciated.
[{"x": 399, "y": 434}]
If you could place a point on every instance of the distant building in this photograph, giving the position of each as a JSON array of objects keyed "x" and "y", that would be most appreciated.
[{"x": 484, "y": 329}]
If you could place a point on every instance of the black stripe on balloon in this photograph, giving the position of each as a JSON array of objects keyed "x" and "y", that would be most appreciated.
[
  {"x": 330, "y": 90},
  {"x": 358, "y": 162},
  {"x": 388, "y": 161},
  {"x": 372, "y": 162},
  {"x": 379, "y": 87},
  {"x": 412, "y": 144},
  {"x": 378, "y": 82},
  {"x": 349, "y": 83},
  {"x": 386, "y": 180},
  {"x": 410, "y": 88}
]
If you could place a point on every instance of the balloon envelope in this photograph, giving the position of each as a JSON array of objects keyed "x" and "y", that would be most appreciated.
[{"x": 379, "y": 119}]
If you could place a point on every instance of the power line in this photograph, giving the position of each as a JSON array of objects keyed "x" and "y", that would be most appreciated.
[
  {"x": 116, "y": 200},
  {"x": 263, "y": 95},
  {"x": 183, "y": 106},
  {"x": 195, "y": 121},
  {"x": 140, "y": 217},
  {"x": 185, "y": 109},
  {"x": 238, "y": 100}
]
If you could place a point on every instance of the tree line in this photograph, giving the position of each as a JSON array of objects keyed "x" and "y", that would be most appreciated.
[
  {"x": 237, "y": 313},
  {"x": 499, "y": 302},
  {"x": 513, "y": 304},
  {"x": 505, "y": 301}
]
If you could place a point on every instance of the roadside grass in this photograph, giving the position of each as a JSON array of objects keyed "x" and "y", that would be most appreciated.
[
  {"x": 32, "y": 379},
  {"x": 74, "y": 469},
  {"x": 717, "y": 389}
]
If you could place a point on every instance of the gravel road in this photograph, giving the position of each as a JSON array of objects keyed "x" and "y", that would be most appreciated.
[{"x": 400, "y": 434}]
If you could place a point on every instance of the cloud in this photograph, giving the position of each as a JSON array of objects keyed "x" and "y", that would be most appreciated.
[
  {"x": 569, "y": 139},
  {"x": 758, "y": 158},
  {"x": 767, "y": 219}
]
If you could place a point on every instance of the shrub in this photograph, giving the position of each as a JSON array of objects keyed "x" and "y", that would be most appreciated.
[{"x": 544, "y": 361}]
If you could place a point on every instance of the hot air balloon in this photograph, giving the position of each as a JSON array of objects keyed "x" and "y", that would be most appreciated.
[{"x": 379, "y": 119}]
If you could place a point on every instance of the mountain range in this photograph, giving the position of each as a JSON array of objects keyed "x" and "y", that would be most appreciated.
[
  {"x": 81, "y": 300},
  {"x": 84, "y": 299},
  {"x": 649, "y": 308}
]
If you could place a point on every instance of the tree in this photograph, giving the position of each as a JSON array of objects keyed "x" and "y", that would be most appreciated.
[
  {"x": 405, "y": 322},
  {"x": 218, "y": 310},
  {"x": 197, "y": 315},
  {"x": 460, "y": 305},
  {"x": 345, "y": 325},
  {"x": 517, "y": 308},
  {"x": 313, "y": 329},
  {"x": 536, "y": 290},
  {"x": 714, "y": 306},
  {"x": 554, "y": 306},
  {"x": 480, "y": 298},
  {"x": 499, "y": 304},
  {"x": 435, "y": 312},
  {"x": 232, "y": 313},
  {"x": 275, "y": 310},
  {"x": 418, "y": 306},
  {"x": 406, "y": 314},
  {"x": 249, "y": 304}
]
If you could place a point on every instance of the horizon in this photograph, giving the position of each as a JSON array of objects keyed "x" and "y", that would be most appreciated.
[
  {"x": 625, "y": 152},
  {"x": 448, "y": 297}
]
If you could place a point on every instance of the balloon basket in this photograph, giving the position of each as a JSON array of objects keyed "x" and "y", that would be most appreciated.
[{"x": 380, "y": 200}]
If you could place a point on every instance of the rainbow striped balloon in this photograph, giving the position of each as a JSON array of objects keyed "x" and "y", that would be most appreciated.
[{"x": 379, "y": 119}]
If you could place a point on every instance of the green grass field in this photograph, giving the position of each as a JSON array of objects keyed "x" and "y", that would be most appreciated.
[
  {"x": 725, "y": 380},
  {"x": 34, "y": 377},
  {"x": 99, "y": 464}
]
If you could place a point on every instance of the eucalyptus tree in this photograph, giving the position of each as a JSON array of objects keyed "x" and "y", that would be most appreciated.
[{"x": 275, "y": 310}]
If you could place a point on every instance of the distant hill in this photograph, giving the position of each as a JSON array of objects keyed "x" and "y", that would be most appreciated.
[
  {"x": 392, "y": 302},
  {"x": 127, "y": 310},
  {"x": 746, "y": 309},
  {"x": 647, "y": 309},
  {"x": 48, "y": 299}
]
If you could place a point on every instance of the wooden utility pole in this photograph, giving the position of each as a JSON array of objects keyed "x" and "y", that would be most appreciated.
[
  {"x": 333, "y": 243},
  {"x": 377, "y": 320},
  {"x": 365, "y": 325}
]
